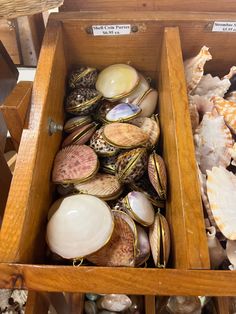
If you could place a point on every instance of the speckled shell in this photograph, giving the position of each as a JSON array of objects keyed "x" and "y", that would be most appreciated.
[
  {"x": 76, "y": 122},
  {"x": 150, "y": 126},
  {"x": 83, "y": 77},
  {"x": 108, "y": 164},
  {"x": 73, "y": 164},
  {"x": 102, "y": 185},
  {"x": 227, "y": 109},
  {"x": 120, "y": 250},
  {"x": 157, "y": 175},
  {"x": 221, "y": 191},
  {"x": 124, "y": 135},
  {"x": 194, "y": 68},
  {"x": 100, "y": 146},
  {"x": 81, "y": 135},
  {"x": 82, "y": 101},
  {"x": 212, "y": 142},
  {"x": 159, "y": 237},
  {"x": 131, "y": 165},
  {"x": 148, "y": 103}
]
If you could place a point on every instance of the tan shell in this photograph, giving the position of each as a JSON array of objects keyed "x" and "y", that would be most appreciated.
[
  {"x": 148, "y": 103},
  {"x": 120, "y": 250},
  {"x": 227, "y": 109},
  {"x": 157, "y": 174},
  {"x": 131, "y": 165},
  {"x": 159, "y": 237},
  {"x": 124, "y": 135},
  {"x": 194, "y": 68},
  {"x": 73, "y": 164},
  {"x": 221, "y": 191},
  {"x": 102, "y": 185},
  {"x": 150, "y": 126}
]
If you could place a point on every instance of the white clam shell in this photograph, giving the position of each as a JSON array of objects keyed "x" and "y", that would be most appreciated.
[
  {"x": 81, "y": 225},
  {"x": 221, "y": 191},
  {"x": 115, "y": 302}
]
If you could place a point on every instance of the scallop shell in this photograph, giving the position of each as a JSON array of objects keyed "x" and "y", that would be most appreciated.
[
  {"x": 100, "y": 146},
  {"x": 221, "y": 191},
  {"x": 131, "y": 165},
  {"x": 120, "y": 250},
  {"x": 117, "y": 80},
  {"x": 212, "y": 86},
  {"x": 74, "y": 164},
  {"x": 123, "y": 112},
  {"x": 216, "y": 251},
  {"x": 138, "y": 206},
  {"x": 81, "y": 225},
  {"x": 147, "y": 103},
  {"x": 82, "y": 101},
  {"x": 157, "y": 175},
  {"x": 143, "y": 246},
  {"x": 139, "y": 91},
  {"x": 102, "y": 185},
  {"x": 114, "y": 302},
  {"x": 83, "y": 77},
  {"x": 227, "y": 109},
  {"x": 108, "y": 164},
  {"x": 159, "y": 237},
  {"x": 194, "y": 68},
  {"x": 150, "y": 126},
  {"x": 212, "y": 142},
  {"x": 81, "y": 135},
  {"x": 124, "y": 135},
  {"x": 76, "y": 122}
]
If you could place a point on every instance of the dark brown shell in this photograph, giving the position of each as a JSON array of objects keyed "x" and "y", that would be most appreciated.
[
  {"x": 83, "y": 77},
  {"x": 100, "y": 146},
  {"x": 131, "y": 165},
  {"x": 82, "y": 101}
]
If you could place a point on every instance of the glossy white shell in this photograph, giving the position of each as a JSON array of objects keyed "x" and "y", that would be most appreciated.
[
  {"x": 115, "y": 302},
  {"x": 123, "y": 111},
  {"x": 139, "y": 91},
  {"x": 81, "y": 225}
]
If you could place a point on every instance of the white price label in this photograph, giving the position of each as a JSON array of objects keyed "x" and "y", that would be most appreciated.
[
  {"x": 224, "y": 27},
  {"x": 111, "y": 30}
]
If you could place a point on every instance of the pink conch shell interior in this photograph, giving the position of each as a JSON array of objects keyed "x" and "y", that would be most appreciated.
[
  {"x": 221, "y": 191},
  {"x": 227, "y": 109},
  {"x": 212, "y": 142},
  {"x": 194, "y": 68}
]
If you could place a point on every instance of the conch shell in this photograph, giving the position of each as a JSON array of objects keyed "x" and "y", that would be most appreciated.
[
  {"x": 212, "y": 142},
  {"x": 216, "y": 251},
  {"x": 221, "y": 191},
  {"x": 194, "y": 68},
  {"x": 227, "y": 109},
  {"x": 232, "y": 152},
  {"x": 194, "y": 115},
  {"x": 202, "y": 103}
]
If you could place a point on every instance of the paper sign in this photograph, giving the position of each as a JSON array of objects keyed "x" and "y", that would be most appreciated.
[
  {"x": 111, "y": 30},
  {"x": 227, "y": 27}
]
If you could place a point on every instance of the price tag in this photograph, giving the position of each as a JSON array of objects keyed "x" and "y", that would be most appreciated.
[
  {"x": 227, "y": 27},
  {"x": 111, "y": 30}
]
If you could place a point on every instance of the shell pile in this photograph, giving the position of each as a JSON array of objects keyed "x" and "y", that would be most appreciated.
[
  {"x": 111, "y": 181},
  {"x": 212, "y": 105}
]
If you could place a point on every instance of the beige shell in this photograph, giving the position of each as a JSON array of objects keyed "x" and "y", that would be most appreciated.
[
  {"x": 147, "y": 103},
  {"x": 194, "y": 68},
  {"x": 231, "y": 73},
  {"x": 157, "y": 175},
  {"x": 102, "y": 185},
  {"x": 194, "y": 115},
  {"x": 150, "y": 126},
  {"x": 221, "y": 191},
  {"x": 120, "y": 250},
  {"x": 202, "y": 103},
  {"x": 76, "y": 122},
  {"x": 159, "y": 237},
  {"x": 124, "y": 135},
  {"x": 227, "y": 109}
]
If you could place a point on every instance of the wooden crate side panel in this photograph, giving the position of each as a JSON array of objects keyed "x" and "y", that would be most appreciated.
[
  {"x": 158, "y": 5},
  {"x": 184, "y": 207},
  {"x": 22, "y": 233}
]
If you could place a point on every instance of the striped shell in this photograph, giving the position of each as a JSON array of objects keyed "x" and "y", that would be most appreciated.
[
  {"x": 76, "y": 122},
  {"x": 102, "y": 185},
  {"x": 100, "y": 146},
  {"x": 73, "y": 164},
  {"x": 120, "y": 250},
  {"x": 83, "y": 77},
  {"x": 227, "y": 109},
  {"x": 221, "y": 191},
  {"x": 159, "y": 237},
  {"x": 212, "y": 142},
  {"x": 150, "y": 126},
  {"x": 157, "y": 175},
  {"x": 81, "y": 135},
  {"x": 194, "y": 68},
  {"x": 124, "y": 135},
  {"x": 131, "y": 165}
]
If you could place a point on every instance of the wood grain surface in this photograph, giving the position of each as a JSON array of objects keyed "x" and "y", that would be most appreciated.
[
  {"x": 5, "y": 182},
  {"x": 37, "y": 303}
]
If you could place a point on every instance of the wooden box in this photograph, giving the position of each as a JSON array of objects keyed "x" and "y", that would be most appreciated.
[{"x": 156, "y": 46}]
